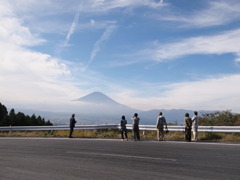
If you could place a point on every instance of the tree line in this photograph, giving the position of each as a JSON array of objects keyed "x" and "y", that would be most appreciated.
[
  {"x": 20, "y": 119},
  {"x": 224, "y": 118}
]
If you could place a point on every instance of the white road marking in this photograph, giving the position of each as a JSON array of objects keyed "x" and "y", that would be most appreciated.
[{"x": 121, "y": 155}]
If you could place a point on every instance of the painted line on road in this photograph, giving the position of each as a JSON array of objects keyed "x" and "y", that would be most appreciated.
[{"x": 121, "y": 155}]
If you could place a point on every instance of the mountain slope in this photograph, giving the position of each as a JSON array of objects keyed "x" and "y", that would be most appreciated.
[
  {"x": 99, "y": 105},
  {"x": 97, "y": 98}
]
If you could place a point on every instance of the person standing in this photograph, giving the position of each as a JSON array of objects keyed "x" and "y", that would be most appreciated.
[
  {"x": 161, "y": 121},
  {"x": 188, "y": 126},
  {"x": 195, "y": 126},
  {"x": 72, "y": 125},
  {"x": 136, "y": 120},
  {"x": 124, "y": 128}
]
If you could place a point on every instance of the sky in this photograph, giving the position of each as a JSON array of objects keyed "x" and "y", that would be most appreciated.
[{"x": 148, "y": 54}]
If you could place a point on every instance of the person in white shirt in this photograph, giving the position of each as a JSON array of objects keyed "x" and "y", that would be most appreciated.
[{"x": 195, "y": 126}]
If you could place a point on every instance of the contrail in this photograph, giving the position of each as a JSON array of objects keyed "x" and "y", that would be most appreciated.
[
  {"x": 72, "y": 28},
  {"x": 97, "y": 46}
]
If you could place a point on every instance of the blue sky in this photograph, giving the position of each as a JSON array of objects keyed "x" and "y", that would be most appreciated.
[{"x": 147, "y": 54}]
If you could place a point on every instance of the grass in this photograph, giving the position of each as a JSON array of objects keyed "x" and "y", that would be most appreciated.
[{"x": 147, "y": 135}]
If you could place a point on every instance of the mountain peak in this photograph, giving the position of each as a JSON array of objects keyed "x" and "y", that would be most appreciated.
[{"x": 97, "y": 98}]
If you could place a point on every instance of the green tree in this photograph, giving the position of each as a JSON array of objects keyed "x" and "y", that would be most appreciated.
[
  {"x": 12, "y": 118},
  {"x": 33, "y": 120},
  {"x": 20, "y": 119},
  {"x": 48, "y": 123},
  {"x": 3, "y": 115},
  {"x": 225, "y": 118}
]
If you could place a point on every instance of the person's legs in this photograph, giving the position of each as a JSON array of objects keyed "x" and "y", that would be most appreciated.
[
  {"x": 162, "y": 134},
  {"x": 194, "y": 133},
  {"x": 71, "y": 131},
  {"x": 186, "y": 134},
  {"x": 122, "y": 134},
  {"x": 126, "y": 134},
  {"x": 138, "y": 135},
  {"x": 196, "y": 136},
  {"x": 189, "y": 135},
  {"x": 134, "y": 133},
  {"x": 158, "y": 134}
]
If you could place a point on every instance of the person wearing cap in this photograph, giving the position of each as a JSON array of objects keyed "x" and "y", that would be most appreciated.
[
  {"x": 135, "y": 119},
  {"x": 195, "y": 126}
]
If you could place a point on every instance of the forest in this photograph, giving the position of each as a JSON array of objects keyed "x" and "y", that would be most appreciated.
[{"x": 20, "y": 119}]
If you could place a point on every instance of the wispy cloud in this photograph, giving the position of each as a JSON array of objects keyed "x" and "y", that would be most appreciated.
[
  {"x": 71, "y": 31},
  {"x": 227, "y": 42},
  {"x": 72, "y": 28},
  {"x": 222, "y": 43},
  {"x": 40, "y": 14},
  {"x": 97, "y": 46},
  {"x": 217, "y": 13},
  {"x": 102, "y": 5}
]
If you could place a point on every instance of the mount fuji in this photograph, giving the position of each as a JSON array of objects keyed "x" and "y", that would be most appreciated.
[
  {"x": 98, "y": 105},
  {"x": 98, "y": 98}
]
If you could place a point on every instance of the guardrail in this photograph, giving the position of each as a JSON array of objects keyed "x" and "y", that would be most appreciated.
[
  {"x": 230, "y": 129},
  {"x": 200, "y": 128}
]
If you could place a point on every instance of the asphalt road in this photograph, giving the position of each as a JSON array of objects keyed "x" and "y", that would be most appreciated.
[{"x": 62, "y": 158}]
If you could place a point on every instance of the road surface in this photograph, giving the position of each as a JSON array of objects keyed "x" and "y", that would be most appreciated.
[{"x": 63, "y": 158}]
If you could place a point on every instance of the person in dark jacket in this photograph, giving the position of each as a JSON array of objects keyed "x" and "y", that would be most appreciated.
[
  {"x": 161, "y": 121},
  {"x": 136, "y": 120},
  {"x": 72, "y": 125},
  {"x": 124, "y": 128},
  {"x": 188, "y": 127}
]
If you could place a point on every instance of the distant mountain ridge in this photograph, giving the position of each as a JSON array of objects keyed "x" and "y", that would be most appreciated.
[
  {"x": 97, "y": 108},
  {"x": 97, "y": 98}
]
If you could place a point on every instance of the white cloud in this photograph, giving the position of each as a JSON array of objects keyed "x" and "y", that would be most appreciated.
[
  {"x": 215, "y": 13},
  {"x": 208, "y": 94},
  {"x": 12, "y": 31},
  {"x": 227, "y": 42},
  {"x": 218, "y": 13},
  {"x": 29, "y": 77},
  {"x": 222, "y": 43}
]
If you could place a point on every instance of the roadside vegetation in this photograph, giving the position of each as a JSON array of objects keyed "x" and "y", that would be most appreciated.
[
  {"x": 225, "y": 118},
  {"x": 115, "y": 134}
]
